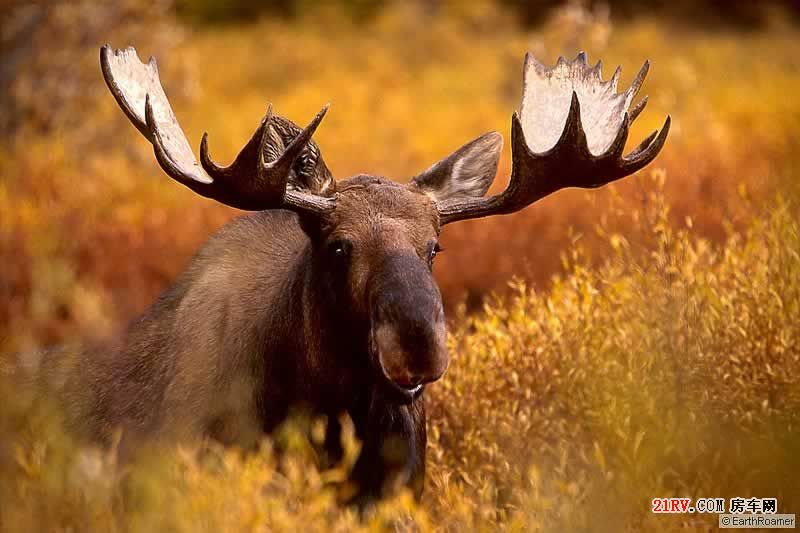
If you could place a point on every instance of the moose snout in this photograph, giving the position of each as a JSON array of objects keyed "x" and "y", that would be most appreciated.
[
  {"x": 408, "y": 329},
  {"x": 412, "y": 357}
]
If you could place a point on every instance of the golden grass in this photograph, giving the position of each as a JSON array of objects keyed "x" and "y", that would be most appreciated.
[{"x": 87, "y": 215}]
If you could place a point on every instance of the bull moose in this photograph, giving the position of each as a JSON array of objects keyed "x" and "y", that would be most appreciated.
[{"x": 323, "y": 298}]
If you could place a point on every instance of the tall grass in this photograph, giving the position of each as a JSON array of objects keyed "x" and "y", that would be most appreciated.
[{"x": 82, "y": 198}]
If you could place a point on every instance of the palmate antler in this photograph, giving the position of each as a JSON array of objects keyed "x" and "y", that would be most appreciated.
[
  {"x": 570, "y": 132},
  {"x": 280, "y": 166}
]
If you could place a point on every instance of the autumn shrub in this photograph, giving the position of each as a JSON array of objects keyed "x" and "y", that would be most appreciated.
[
  {"x": 91, "y": 230},
  {"x": 671, "y": 372}
]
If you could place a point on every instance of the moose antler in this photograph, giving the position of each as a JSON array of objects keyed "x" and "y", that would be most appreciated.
[
  {"x": 570, "y": 132},
  {"x": 263, "y": 175}
]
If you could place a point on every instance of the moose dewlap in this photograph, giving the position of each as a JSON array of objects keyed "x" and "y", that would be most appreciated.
[{"x": 323, "y": 298}]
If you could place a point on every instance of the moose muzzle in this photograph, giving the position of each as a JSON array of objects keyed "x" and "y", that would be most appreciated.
[{"x": 408, "y": 333}]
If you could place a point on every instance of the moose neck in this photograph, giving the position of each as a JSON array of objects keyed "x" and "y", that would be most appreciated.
[
  {"x": 336, "y": 361},
  {"x": 329, "y": 349}
]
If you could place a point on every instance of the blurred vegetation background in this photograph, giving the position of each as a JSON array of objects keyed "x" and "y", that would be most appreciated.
[
  {"x": 648, "y": 347},
  {"x": 91, "y": 230}
]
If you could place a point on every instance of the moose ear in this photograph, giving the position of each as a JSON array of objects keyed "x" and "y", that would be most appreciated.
[{"x": 467, "y": 173}]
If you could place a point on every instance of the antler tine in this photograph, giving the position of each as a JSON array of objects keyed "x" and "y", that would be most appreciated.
[
  {"x": 133, "y": 114},
  {"x": 553, "y": 149},
  {"x": 640, "y": 157},
  {"x": 532, "y": 62},
  {"x": 274, "y": 173},
  {"x": 275, "y": 170},
  {"x": 637, "y": 109},
  {"x": 170, "y": 161},
  {"x": 243, "y": 184},
  {"x": 614, "y": 81},
  {"x": 642, "y": 145},
  {"x": 249, "y": 152},
  {"x": 639, "y": 80},
  {"x": 597, "y": 71}
]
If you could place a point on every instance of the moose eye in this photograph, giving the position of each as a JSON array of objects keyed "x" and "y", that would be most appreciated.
[{"x": 340, "y": 249}]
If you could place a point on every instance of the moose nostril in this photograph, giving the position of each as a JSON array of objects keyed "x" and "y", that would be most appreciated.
[
  {"x": 415, "y": 380},
  {"x": 409, "y": 381},
  {"x": 412, "y": 381},
  {"x": 409, "y": 367}
]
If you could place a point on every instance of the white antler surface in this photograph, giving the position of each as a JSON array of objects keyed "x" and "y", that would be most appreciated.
[{"x": 547, "y": 94}]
